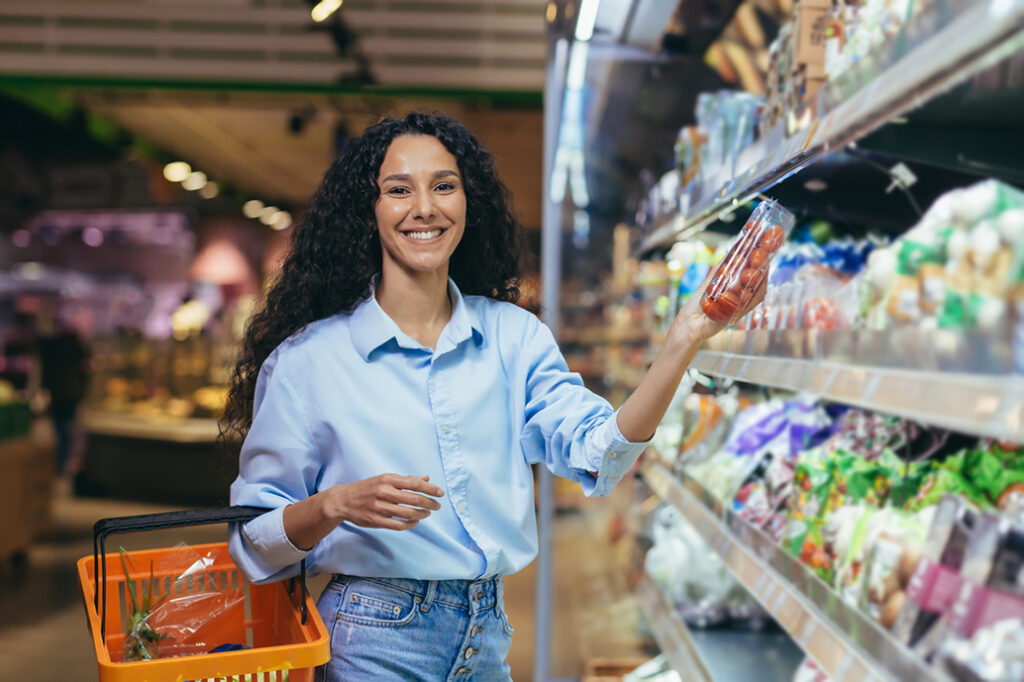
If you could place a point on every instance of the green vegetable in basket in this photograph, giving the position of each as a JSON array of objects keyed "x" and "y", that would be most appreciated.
[{"x": 141, "y": 640}]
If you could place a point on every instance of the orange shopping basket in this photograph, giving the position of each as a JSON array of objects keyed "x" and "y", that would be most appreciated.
[{"x": 277, "y": 623}]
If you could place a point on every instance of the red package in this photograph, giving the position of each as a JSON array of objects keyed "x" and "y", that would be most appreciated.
[{"x": 745, "y": 266}]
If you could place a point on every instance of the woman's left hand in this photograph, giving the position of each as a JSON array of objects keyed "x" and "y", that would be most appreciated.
[{"x": 692, "y": 322}]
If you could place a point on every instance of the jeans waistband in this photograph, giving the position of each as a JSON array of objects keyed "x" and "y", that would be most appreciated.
[{"x": 471, "y": 595}]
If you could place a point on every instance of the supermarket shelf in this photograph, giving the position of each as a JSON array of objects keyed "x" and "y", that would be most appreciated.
[
  {"x": 847, "y": 367},
  {"x": 150, "y": 428},
  {"x": 671, "y": 633},
  {"x": 981, "y": 32},
  {"x": 595, "y": 336},
  {"x": 846, "y": 643}
]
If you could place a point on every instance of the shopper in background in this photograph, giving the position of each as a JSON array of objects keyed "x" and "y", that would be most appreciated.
[
  {"x": 64, "y": 366},
  {"x": 393, "y": 398}
]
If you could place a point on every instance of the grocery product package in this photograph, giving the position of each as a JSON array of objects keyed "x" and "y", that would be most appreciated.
[
  {"x": 981, "y": 634},
  {"x": 745, "y": 266},
  {"x": 935, "y": 582},
  {"x": 694, "y": 578},
  {"x": 190, "y": 612}
]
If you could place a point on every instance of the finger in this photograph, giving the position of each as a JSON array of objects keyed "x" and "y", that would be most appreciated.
[
  {"x": 398, "y": 511},
  {"x": 419, "y": 485},
  {"x": 415, "y": 500},
  {"x": 394, "y": 524}
]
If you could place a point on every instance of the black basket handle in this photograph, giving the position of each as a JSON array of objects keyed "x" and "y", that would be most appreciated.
[{"x": 177, "y": 519}]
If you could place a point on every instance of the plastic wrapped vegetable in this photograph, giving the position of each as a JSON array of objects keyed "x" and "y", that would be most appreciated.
[{"x": 745, "y": 266}]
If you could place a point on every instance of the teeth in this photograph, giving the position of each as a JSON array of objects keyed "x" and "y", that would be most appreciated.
[{"x": 424, "y": 235}]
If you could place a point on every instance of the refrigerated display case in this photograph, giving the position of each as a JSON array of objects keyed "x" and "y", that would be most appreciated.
[{"x": 935, "y": 68}]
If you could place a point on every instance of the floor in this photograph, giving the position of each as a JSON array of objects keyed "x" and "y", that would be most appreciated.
[{"x": 43, "y": 631}]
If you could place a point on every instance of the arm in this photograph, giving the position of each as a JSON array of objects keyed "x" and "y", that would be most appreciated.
[{"x": 640, "y": 415}]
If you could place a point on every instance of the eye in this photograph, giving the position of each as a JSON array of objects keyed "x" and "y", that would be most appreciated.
[
  {"x": 397, "y": 191},
  {"x": 446, "y": 187}
]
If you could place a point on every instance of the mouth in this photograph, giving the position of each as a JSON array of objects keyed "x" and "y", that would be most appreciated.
[{"x": 424, "y": 235}]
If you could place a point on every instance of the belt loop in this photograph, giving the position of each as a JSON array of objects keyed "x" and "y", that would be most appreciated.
[
  {"x": 499, "y": 592},
  {"x": 428, "y": 598}
]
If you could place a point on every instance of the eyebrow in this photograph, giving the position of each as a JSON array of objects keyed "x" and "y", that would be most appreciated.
[{"x": 403, "y": 177}]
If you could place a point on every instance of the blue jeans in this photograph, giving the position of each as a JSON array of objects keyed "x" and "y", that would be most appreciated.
[{"x": 402, "y": 629}]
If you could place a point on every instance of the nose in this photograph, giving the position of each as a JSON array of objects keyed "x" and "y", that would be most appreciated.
[{"x": 423, "y": 207}]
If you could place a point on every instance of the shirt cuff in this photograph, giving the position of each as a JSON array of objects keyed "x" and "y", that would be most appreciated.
[
  {"x": 617, "y": 456},
  {"x": 267, "y": 537}
]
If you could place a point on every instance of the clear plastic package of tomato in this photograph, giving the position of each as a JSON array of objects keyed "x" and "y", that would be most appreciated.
[{"x": 745, "y": 266}]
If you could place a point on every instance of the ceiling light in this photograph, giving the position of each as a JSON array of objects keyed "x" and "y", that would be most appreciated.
[
  {"x": 815, "y": 185},
  {"x": 31, "y": 271},
  {"x": 267, "y": 214},
  {"x": 195, "y": 180},
  {"x": 587, "y": 18},
  {"x": 21, "y": 238},
  {"x": 177, "y": 171},
  {"x": 252, "y": 208},
  {"x": 324, "y": 9},
  {"x": 551, "y": 13},
  {"x": 281, "y": 221},
  {"x": 209, "y": 190},
  {"x": 92, "y": 236}
]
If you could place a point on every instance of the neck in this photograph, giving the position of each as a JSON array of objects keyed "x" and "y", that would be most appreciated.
[{"x": 417, "y": 302}]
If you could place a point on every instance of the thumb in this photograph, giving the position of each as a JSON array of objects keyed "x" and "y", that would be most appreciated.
[{"x": 425, "y": 477}]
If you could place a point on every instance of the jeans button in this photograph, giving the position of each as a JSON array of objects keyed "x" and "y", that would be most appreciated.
[{"x": 470, "y": 652}]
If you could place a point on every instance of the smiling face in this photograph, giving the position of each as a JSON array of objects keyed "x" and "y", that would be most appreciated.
[{"x": 421, "y": 211}]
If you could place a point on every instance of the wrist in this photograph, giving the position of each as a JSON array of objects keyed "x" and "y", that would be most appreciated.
[
  {"x": 684, "y": 336},
  {"x": 331, "y": 506}
]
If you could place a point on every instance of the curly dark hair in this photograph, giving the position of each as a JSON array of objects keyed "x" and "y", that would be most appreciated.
[{"x": 335, "y": 250}]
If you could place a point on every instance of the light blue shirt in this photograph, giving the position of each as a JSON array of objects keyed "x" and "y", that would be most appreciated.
[{"x": 352, "y": 397}]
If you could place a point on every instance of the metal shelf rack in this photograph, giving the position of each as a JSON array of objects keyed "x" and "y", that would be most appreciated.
[
  {"x": 846, "y": 643},
  {"x": 979, "y": 33}
]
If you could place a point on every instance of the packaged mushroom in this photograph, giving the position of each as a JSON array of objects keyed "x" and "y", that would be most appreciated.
[{"x": 745, "y": 266}]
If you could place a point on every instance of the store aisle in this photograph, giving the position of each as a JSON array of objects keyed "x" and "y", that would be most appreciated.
[{"x": 43, "y": 632}]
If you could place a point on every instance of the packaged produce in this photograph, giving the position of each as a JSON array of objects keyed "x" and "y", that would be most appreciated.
[
  {"x": 892, "y": 559},
  {"x": 693, "y": 576},
  {"x": 991, "y": 595},
  {"x": 745, "y": 266},
  {"x": 181, "y": 621},
  {"x": 935, "y": 581}
]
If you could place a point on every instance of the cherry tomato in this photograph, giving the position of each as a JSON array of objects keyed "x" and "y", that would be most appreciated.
[
  {"x": 757, "y": 258},
  {"x": 714, "y": 311},
  {"x": 772, "y": 239},
  {"x": 751, "y": 226},
  {"x": 728, "y": 305},
  {"x": 750, "y": 278}
]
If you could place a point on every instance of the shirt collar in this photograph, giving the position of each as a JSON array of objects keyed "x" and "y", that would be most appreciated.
[{"x": 371, "y": 327}]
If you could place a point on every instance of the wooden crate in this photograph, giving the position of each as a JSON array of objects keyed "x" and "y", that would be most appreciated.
[{"x": 609, "y": 669}]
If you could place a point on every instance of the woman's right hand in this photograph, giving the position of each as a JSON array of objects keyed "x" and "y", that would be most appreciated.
[{"x": 386, "y": 501}]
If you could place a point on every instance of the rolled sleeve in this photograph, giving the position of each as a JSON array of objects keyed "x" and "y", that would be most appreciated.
[
  {"x": 613, "y": 456},
  {"x": 278, "y": 465},
  {"x": 568, "y": 427}
]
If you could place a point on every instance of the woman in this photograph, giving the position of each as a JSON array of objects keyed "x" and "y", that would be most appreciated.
[{"x": 393, "y": 400}]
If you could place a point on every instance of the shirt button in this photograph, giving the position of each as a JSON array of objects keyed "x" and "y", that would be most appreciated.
[
  {"x": 462, "y": 507},
  {"x": 446, "y": 428},
  {"x": 613, "y": 454}
]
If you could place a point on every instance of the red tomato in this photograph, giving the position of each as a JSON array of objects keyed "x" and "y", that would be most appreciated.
[
  {"x": 707, "y": 304},
  {"x": 728, "y": 305},
  {"x": 750, "y": 278},
  {"x": 772, "y": 239},
  {"x": 751, "y": 226},
  {"x": 757, "y": 258}
]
